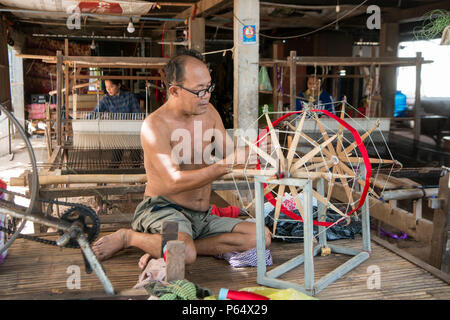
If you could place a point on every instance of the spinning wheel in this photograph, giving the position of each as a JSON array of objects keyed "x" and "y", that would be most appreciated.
[
  {"x": 32, "y": 186},
  {"x": 311, "y": 147},
  {"x": 319, "y": 146}
]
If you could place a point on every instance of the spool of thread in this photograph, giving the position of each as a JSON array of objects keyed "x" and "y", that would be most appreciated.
[{"x": 239, "y": 295}]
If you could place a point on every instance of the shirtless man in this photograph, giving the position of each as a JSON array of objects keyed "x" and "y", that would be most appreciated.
[{"x": 181, "y": 191}]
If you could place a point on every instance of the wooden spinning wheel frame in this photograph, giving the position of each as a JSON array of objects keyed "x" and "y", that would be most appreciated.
[{"x": 332, "y": 158}]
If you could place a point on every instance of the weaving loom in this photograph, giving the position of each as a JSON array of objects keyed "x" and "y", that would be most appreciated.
[{"x": 105, "y": 140}]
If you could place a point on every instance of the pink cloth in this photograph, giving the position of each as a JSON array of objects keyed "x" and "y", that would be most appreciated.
[{"x": 154, "y": 271}]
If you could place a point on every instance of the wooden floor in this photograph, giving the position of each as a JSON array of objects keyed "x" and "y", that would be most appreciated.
[{"x": 37, "y": 271}]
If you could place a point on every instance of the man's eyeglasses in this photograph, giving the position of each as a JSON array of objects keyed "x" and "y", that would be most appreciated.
[{"x": 199, "y": 93}]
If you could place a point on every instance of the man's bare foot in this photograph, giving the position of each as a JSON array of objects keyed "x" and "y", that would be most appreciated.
[
  {"x": 143, "y": 261},
  {"x": 107, "y": 246}
]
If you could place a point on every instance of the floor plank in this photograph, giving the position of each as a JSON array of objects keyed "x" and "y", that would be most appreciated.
[{"x": 37, "y": 271}]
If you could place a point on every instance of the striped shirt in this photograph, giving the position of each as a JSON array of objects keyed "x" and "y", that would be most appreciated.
[{"x": 125, "y": 102}]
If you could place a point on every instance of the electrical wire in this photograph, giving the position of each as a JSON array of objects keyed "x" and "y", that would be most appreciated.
[{"x": 310, "y": 32}]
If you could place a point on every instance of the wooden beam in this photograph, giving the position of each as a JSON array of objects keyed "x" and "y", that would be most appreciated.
[
  {"x": 275, "y": 48},
  {"x": 175, "y": 4},
  {"x": 85, "y": 191},
  {"x": 293, "y": 79},
  {"x": 420, "y": 229},
  {"x": 345, "y": 61},
  {"x": 202, "y": 7},
  {"x": 66, "y": 84},
  {"x": 415, "y": 13},
  {"x": 417, "y": 104},
  {"x": 441, "y": 226},
  {"x": 36, "y": 56},
  {"x": 197, "y": 34},
  {"x": 59, "y": 80},
  {"x": 84, "y": 76},
  {"x": 307, "y": 7},
  {"x": 402, "y": 253},
  {"x": 141, "y": 62}
]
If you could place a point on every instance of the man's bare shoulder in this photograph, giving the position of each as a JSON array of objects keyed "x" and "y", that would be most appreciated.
[{"x": 154, "y": 124}]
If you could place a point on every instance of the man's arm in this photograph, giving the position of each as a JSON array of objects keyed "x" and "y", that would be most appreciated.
[
  {"x": 158, "y": 154},
  {"x": 231, "y": 154}
]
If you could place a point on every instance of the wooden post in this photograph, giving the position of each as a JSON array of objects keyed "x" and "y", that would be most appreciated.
[
  {"x": 356, "y": 88},
  {"x": 48, "y": 130},
  {"x": 388, "y": 79},
  {"x": 439, "y": 255},
  {"x": 175, "y": 260},
  {"x": 417, "y": 104},
  {"x": 59, "y": 78},
  {"x": 293, "y": 79},
  {"x": 275, "y": 79},
  {"x": 246, "y": 65},
  {"x": 197, "y": 34},
  {"x": 169, "y": 233},
  {"x": 175, "y": 251},
  {"x": 66, "y": 85},
  {"x": 37, "y": 207},
  {"x": 171, "y": 35}
]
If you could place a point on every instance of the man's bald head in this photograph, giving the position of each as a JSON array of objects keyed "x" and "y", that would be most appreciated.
[{"x": 175, "y": 68}]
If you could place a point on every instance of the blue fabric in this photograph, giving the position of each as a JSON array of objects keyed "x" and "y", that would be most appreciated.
[
  {"x": 125, "y": 102},
  {"x": 325, "y": 101}
]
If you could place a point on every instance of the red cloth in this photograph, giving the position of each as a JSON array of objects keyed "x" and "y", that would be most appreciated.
[
  {"x": 230, "y": 212},
  {"x": 2, "y": 186}
]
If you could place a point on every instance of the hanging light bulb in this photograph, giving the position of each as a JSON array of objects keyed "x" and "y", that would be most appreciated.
[
  {"x": 130, "y": 27},
  {"x": 93, "y": 44},
  {"x": 338, "y": 9}
]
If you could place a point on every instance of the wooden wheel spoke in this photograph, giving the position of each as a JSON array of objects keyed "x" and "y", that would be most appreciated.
[
  {"x": 327, "y": 203},
  {"x": 352, "y": 147},
  {"x": 297, "y": 200},
  {"x": 340, "y": 130},
  {"x": 293, "y": 146},
  {"x": 311, "y": 154},
  {"x": 344, "y": 182},
  {"x": 319, "y": 165},
  {"x": 371, "y": 160},
  {"x": 330, "y": 188},
  {"x": 278, "y": 206},
  {"x": 260, "y": 152},
  {"x": 324, "y": 133},
  {"x": 276, "y": 143}
]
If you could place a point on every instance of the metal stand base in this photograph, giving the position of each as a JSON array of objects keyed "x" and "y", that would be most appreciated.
[{"x": 310, "y": 288}]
